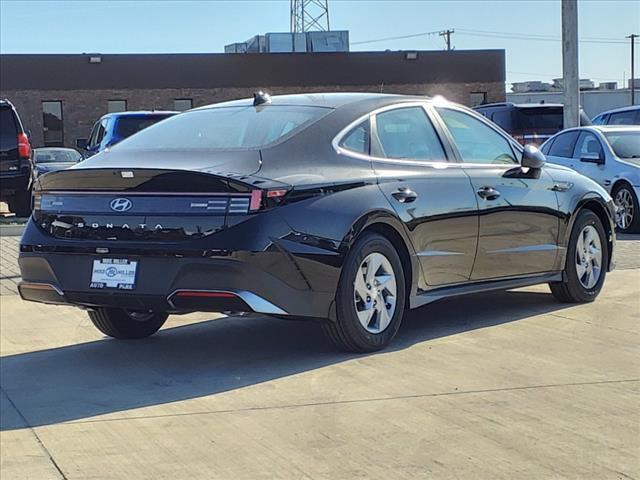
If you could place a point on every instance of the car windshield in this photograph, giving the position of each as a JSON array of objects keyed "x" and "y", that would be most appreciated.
[
  {"x": 625, "y": 145},
  {"x": 8, "y": 129},
  {"x": 46, "y": 155},
  {"x": 127, "y": 126},
  {"x": 224, "y": 128}
]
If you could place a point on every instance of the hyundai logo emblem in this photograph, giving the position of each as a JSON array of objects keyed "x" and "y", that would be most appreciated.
[{"x": 121, "y": 205}]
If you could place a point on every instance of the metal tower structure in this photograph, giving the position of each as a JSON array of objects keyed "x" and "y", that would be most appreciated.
[{"x": 309, "y": 16}]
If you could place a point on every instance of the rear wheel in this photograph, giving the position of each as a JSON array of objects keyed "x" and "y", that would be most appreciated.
[
  {"x": 371, "y": 298},
  {"x": 127, "y": 324},
  {"x": 587, "y": 260},
  {"x": 628, "y": 214}
]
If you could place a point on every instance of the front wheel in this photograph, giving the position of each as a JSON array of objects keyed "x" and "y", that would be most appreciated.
[
  {"x": 371, "y": 298},
  {"x": 628, "y": 214},
  {"x": 126, "y": 324},
  {"x": 586, "y": 264}
]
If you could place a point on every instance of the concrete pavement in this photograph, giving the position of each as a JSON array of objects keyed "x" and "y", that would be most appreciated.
[{"x": 500, "y": 385}]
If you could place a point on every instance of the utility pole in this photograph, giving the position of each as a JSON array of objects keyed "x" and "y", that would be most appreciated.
[
  {"x": 309, "y": 16},
  {"x": 633, "y": 37},
  {"x": 447, "y": 35},
  {"x": 570, "y": 75}
]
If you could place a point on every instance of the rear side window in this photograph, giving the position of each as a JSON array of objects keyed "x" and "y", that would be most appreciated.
[
  {"x": 407, "y": 133},
  {"x": 622, "y": 118},
  {"x": 357, "y": 140},
  {"x": 588, "y": 146},
  {"x": 8, "y": 130},
  {"x": 538, "y": 119},
  {"x": 127, "y": 126},
  {"x": 563, "y": 145},
  {"x": 476, "y": 141},
  {"x": 225, "y": 128}
]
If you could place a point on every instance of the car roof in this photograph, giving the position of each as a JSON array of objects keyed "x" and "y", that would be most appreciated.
[
  {"x": 519, "y": 105},
  {"x": 325, "y": 100},
  {"x": 55, "y": 148},
  {"x": 602, "y": 129},
  {"x": 620, "y": 109},
  {"x": 139, "y": 113}
]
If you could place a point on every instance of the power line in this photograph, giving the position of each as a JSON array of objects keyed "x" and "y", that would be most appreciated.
[{"x": 414, "y": 35}]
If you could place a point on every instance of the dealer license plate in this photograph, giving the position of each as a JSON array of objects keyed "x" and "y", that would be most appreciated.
[{"x": 117, "y": 273}]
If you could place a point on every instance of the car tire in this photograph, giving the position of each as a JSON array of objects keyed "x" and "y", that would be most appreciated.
[
  {"x": 628, "y": 219},
  {"x": 587, "y": 248},
  {"x": 123, "y": 324},
  {"x": 372, "y": 270},
  {"x": 20, "y": 203}
]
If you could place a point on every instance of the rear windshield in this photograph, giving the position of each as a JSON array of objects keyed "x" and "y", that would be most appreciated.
[
  {"x": 127, "y": 126},
  {"x": 544, "y": 118},
  {"x": 225, "y": 128},
  {"x": 8, "y": 130},
  {"x": 625, "y": 144},
  {"x": 45, "y": 155}
]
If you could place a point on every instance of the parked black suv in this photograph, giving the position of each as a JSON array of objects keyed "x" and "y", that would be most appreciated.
[
  {"x": 528, "y": 123},
  {"x": 15, "y": 161}
]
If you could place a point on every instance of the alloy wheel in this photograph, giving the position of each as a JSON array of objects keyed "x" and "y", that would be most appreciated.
[
  {"x": 588, "y": 257},
  {"x": 624, "y": 204},
  {"x": 375, "y": 293}
]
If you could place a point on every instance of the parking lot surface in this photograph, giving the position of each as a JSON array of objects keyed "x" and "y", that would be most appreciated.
[{"x": 500, "y": 385}]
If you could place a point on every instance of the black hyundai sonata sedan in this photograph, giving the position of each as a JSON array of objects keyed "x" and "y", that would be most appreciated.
[{"x": 345, "y": 208}]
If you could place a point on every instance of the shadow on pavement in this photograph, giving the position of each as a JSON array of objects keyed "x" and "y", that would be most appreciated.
[{"x": 106, "y": 376}]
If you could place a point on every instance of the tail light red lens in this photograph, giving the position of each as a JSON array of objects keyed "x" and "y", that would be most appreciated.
[
  {"x": 263, "y": 199},
  {"x": 24, "y": 147}
]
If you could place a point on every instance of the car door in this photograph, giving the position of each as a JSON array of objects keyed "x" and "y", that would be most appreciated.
[
  {"x": 589, "y": 158},
  {"x": 432, "y": 196},
  {"x": 518, "y": 210}
]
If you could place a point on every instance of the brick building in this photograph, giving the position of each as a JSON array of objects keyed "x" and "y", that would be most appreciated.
[{"x": 59, "y": 97}]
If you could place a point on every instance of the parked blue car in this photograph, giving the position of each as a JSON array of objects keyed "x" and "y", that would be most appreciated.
[{"x": 114, "y": 127}]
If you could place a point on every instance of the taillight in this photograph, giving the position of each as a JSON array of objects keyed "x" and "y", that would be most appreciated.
[
  {"x": 519, "y": 139},
  {"x": 24, "y": 147},
  {"x": 263, "y": 199}
]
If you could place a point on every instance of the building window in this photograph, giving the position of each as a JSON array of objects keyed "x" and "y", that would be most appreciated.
[
  {"x": 182, "y": 104},
  {"x": 116, "y": 106},
  {"x": 52, "y": 124},
  {"x": 477, "y": 98}
]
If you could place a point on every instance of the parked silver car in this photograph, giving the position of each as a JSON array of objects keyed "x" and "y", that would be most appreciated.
[{"x": 608, "y": 154}]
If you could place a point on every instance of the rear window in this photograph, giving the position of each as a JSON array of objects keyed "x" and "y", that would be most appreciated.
[
  {"x": 623, "y": 118},
  {"x": 625, "y": 144},
  {"x": 8, "y": 130},
  {"x": 544, "y": 118},
  {"x": 225, "y": 128},
  {"x": 127, "y": 126}
]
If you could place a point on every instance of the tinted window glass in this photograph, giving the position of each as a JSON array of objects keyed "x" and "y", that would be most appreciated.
[
  {"x": 93, "y": 136},
  {"x": 225, "y": 128},
  {"x": 52, "y": 123},
  {"x": 48, "y": 155},
  {"x": 563, "y": 145},
  {"x": 587, "y": 146},
  {"x": 116, "y": 106},
  {"x": 476, "y": 142},
  {"x": 357, "y": 140},
  {"x": 8, "y": 130},
  {"x": 599, "y": 120},
  {"x": 127, "y": 126},
  {"x": 182, "y": 104},
  {"x": 625, "y": 144},
  {"x": 408, "y": 133},
  {"x": 502, "y": 118},
  {"x": 543, "y": 118},
  {"x": 622, "y": 118}
]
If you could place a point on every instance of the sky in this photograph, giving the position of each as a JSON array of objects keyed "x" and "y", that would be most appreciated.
[{"x": 529, "y": 30}]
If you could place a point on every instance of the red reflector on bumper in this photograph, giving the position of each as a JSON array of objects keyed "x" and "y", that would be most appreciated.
[{"x": 188, "y": 293}]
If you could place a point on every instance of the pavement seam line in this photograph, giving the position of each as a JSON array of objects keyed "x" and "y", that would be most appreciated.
[
  {"x": 359, "y": 400},
  {"x": 36, "y": 436}
]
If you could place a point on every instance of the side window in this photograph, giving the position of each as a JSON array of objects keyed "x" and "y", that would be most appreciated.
[
  {"x": 93, "y": 135},
  {"x": 588, "y": 146},
  {"x": 563, "y": 145},
  {"x": 622, "y": 118},
  {"x": 357, "y": 140},
  {"x": 547, "y": 145},
  {"x": 477, "y": 142},
  {"x": 599, "y": 120},
  {"x": 502, "y": 118},
  {"x": 407, "y": 133},
  {"x": 101, "y": 131}
]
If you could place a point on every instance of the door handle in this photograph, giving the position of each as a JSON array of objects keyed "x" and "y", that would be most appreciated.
[
  {"x": 405, "y": 195},
  {"x": 488, "y": 193}
]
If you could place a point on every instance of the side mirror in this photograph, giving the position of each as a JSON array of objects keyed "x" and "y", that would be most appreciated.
[
  {"x": 592, "y": 158},
  {"x": 532, "y": 157},
  {"x": 81, "y": 143}
]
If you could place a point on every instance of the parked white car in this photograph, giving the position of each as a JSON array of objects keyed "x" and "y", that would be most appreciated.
[{"x": 608, "y": 154}]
